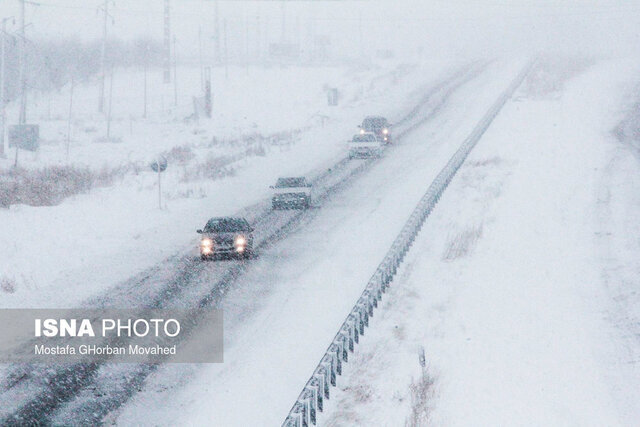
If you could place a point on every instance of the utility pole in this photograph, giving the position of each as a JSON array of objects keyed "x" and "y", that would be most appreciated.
[
  {"x": 360, "y": 44},
  {"x": 144, "y": 113},
  {"x": 23, "y": 80},
  {"x": 283, "y": 16},
  {"x": 246, "y": 42},
  {"x": 226, "y": 57},
  {"x": 216, "y": 31},
  {"x": 166, "y": 55},
  {"x": 200, "y": 57},
  {"x": 70, "y": 116},
  {"x": 258, "y": 35},
  {"x": 2, "y": 83},
  {"x": 103, "y": 54},
  {"x": 110, "y": 103},
  {"x": 175, "y": 73}
]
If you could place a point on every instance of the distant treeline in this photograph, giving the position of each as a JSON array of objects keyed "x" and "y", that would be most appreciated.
[{"x": 50, "y": 64}]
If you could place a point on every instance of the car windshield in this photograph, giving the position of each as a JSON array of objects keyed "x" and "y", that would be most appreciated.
[
  {"x": 364, "y": 138},
  {"x": 225, "y": 225},
  {"x": 371, "y": 123},
  {"x": 291, "y": 182}
]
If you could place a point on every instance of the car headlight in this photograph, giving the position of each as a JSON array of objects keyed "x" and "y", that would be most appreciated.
[
  {"x": 385, "y": 131},
  {"x": 361, "y": 131},
  {"x": 241, "y": 241},
  {"x": 206, "y": 243}
]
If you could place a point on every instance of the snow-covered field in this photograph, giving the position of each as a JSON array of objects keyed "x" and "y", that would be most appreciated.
[
  {"x": 270, "y": 123},
  {"x": 520, "y": 291},
  {"x": 522, "y": 288}
]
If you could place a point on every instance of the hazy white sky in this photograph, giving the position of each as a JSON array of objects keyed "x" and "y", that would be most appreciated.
[{"x": 440, "y": 26}]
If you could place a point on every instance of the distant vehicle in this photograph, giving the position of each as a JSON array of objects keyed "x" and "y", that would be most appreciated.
[
  {"x": 294, "y": 192},
  {"x": 365, "y": 145},
  {"x": 226, "y": 236},
  {"x": 378, "y": 125}
]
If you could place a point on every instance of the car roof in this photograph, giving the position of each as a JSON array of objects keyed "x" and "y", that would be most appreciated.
[
  {"x": 292, "y": 181},
  {"x": 218, "y": 219},
  {"x": 291, "y": 177}
]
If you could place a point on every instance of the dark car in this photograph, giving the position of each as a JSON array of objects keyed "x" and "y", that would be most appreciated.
[
  {"x": 226, "y": 236},
  {"x": 294, "y": 192},
  {"x": 378, "y": 125}
]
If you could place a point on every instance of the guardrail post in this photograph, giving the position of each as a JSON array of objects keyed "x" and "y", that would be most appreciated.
[
  {"x": 354, "y": 337},
  {"x": 310, "y": 400},
  {"x": 299, "y": 409},
  {"x": 318, "y": 382},
  {"x": 328, "y": 373}
]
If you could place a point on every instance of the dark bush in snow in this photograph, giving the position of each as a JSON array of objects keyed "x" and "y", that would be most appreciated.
[
  {"x": 214, "y": 167},
  {"x": 7, "y": 285},
  {"x": 181, "y": 154},
  {"x": 51, "y": 185}
]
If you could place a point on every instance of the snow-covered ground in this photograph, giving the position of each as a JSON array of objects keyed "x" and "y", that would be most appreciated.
[
  {"x": 287, "y": 307},
  {"x": 522, "y": 287},
  {"x": 267, "y": 123}
]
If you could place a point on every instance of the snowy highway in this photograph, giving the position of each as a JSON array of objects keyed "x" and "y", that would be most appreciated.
[
  {"x": 277, "y": 313},
  {"x": 176, "y": 288},
  {"x": 436, "y": 343},
  {"x": 319, "y": 213}
]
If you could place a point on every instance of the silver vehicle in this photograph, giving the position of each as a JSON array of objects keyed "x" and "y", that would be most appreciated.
[
  {"x": 365, "y": 145},
  {"x": 294, "y": 192},
  {"x": 226, "y": 236}
]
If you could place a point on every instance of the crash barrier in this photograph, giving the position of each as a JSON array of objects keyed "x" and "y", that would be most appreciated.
[{"x": 317, "y": 389}]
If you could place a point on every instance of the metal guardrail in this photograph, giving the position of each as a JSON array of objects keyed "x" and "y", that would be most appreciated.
[{"x": 317, "y": 389}]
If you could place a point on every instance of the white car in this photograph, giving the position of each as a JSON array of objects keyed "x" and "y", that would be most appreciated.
[
  {"x": 293, "y": 192},
  {"x": 365, "y": 144}
]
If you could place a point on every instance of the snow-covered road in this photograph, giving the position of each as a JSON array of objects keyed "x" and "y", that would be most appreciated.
[
  {"x": 273, "y": 333},
  {"x": 520, "y": 288}
]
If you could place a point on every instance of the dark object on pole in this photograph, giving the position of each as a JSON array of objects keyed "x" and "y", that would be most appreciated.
[
  {"x": 24, "y": 137},
  {"x": 159, "y": 165}
]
